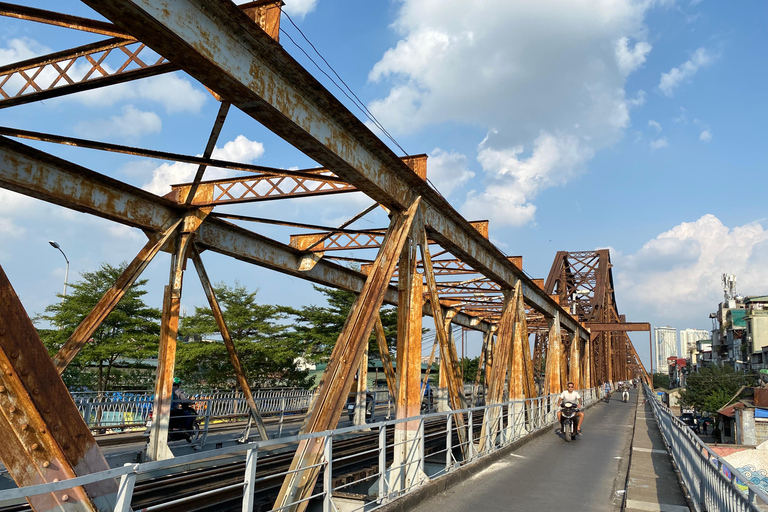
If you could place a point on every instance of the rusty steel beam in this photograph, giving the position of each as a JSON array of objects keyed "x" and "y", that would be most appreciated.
[
  {"x": 405, "y": 470},
  {"x": 37, "y": 174},
  {"x": 110, "y": 300},
  {"x": 386, "y": 359},
  {"x": 219, "y": 46},
  {"x": 218, "y": 124},
  {"x": 242, "y": 380},
  {"x": 597, "y": 327},
  {"x": 45, "y": 439},
  {"x": 552, "y": 374},
  {"x": 162, "y": 155},
  {"x": 61, "y": 20},
  {"x": 27, "y": 81},
  {"x": 344, "y": 360}
]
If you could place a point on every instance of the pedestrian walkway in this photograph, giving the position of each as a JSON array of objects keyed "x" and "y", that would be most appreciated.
[{"x": 653, "y": 484}]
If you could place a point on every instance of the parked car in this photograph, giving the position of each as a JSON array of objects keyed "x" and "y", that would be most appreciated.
[{"x": 690, "y": 420}]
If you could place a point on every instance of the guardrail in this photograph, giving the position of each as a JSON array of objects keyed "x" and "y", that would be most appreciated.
[
  {"x": 506, "y": 423},
  {"x": 713, "y": 484},
  {"x": 125, "y": 410}
]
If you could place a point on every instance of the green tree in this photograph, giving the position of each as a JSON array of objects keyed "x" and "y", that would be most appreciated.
[
  {"x": 469, "y": 365},
  {"x": 266, "y": 349},
  {"x": 712, "y": 387},
  {"x": 319, "y": 326},
  {"x": 127, "y": 336},
  {"x": 661, "y": 380}
]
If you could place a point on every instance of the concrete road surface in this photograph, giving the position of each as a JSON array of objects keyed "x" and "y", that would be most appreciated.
[{"x": 549, "y": 474}]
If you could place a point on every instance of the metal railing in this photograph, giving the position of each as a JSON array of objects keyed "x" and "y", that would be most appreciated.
[
  {"x": 713, "y": 484},
  {"x": 125, "y": 410},
  {"x": 406, "y": 460}
]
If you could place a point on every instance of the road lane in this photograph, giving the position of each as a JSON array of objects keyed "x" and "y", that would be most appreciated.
[{"x": 550, "y": 474}]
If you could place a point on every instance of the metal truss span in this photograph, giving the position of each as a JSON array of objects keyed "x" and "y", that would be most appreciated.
[{"x": 428, "y": 260}]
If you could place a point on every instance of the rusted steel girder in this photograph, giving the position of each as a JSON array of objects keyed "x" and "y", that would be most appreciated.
[
  {"x": 242, "y": 380},
  {"x": 218, "y": 45},
  {"x": 405, "y": 470},
  {"x": 345, "y": 240},
  {"x": 501, "y": 359},
  {"x": 596, "y": 327},
  {"x": 34, "y": 173},
  {"x": 53, "y": 75},
  {"x": 44, "y": 436},
  {"x": 552, "y": 374},
  {"x": 344, "y": 360},
  {"x": 449, "y": 359},
  {"x": 386, "y": 359},
  {"x": 61, "y": 20},
  {"x": 111, "y": 298}
]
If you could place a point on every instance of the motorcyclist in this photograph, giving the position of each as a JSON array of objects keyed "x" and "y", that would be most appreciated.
[
  {"x": 573, "y": 396},
  {"x": 181, "y": 411},
  {"x": 607, "y": 387},
  {"x": 624, "y": 391}
]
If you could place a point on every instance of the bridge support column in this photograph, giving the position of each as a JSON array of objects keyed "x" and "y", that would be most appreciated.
[
  {"x": 362, "y": 390},
  {"x": 574, "y": 374},
  {"x": 554, "y": 347},
  {"x": 405, "y": 470}
]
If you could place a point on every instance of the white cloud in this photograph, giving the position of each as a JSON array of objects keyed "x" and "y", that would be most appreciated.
[
  {"x": 448, "y": 170},
  {"x": 174, "y": 93},
  {"x": 514, "y": 181},
  {"x": 132, "y": 125},
  {"x": 21, "y": 49},
  {"x": 705, "y": 136},
  {"x": 524, "y": 72},
  {"x": 239, "y": 150},
  {"x": 659, "y": 143},
  {"x": 300, "y": 8},
  {"x": 629, "y": 59},
  {"x": 655, "y": 125},
  {"x": 676, "y": 276},
  {"x": 672, "y": 80}
]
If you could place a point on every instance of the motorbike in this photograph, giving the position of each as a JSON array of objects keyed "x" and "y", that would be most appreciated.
[
  {"x": 568, "y": 420},
  {"x": 184, "y": 423},
  {"x": 607, "y": 396}
]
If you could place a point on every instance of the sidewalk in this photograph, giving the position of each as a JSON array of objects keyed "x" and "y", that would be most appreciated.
[{"x": 652, "y": 483}]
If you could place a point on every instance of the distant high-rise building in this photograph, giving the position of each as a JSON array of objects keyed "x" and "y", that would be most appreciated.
[
  {"x": 666, "y": 346},
  {"x": 688, "y": 339}
]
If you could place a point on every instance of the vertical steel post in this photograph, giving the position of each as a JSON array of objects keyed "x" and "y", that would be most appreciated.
[
  {"x": 125, "y": 491},
  {"x": 328, "y": 475},
  {"x": 251, "y": 459},
  {"x": 448, "y": 442},
  {"x": 382, "y": 462}
]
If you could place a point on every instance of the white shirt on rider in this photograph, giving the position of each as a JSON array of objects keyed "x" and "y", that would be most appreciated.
[{"x": 570, "y": 396}]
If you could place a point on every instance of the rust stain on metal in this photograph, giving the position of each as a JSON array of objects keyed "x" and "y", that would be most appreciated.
[{"x": 45, "y": 437}]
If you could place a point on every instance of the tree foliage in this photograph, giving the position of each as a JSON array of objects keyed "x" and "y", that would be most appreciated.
[
  {"x": 661, "y": 380},
  {"x": 712, "y": 387},
  {"x": 320, "y": 326},
  {"x": 469, "y": 366},
  {"x": 264, "y": 346},
  {"x": 128, "y": 335}
]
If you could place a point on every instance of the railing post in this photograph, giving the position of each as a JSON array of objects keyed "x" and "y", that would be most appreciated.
[
  {"x": 125, "y": 491},
  {"x": 251, "y": 458},
  {"x": 421, "y": 445},
  {"x": 448, "y": 443},
  {"x": 282, "y": 415},
  {"x": 470, "y": 437},
  {"x": 382, "y": 462},
  {"x": 328, "y": 475}
]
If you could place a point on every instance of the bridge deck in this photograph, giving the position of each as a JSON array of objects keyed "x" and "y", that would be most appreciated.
[{"x": 550, "y": 474}]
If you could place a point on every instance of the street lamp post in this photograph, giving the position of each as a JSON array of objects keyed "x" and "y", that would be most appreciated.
[{"x": 66, "y": 272}]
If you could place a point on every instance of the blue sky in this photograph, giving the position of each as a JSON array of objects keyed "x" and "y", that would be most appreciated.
[{"x": 570, "y": 125}]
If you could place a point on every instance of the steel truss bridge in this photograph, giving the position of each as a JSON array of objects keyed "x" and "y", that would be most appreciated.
[{"x": 428, "y": 260}]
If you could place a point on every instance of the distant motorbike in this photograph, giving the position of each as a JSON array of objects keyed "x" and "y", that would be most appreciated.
[
  {"x": 607, "y": 396},
  {"x": 568, "y": 420}
]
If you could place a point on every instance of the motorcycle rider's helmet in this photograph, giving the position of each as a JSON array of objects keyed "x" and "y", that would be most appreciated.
[{"x": 176, "y": 380}]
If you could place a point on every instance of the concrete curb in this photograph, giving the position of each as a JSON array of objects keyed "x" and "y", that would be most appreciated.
[{"x": 442, "y": 483}]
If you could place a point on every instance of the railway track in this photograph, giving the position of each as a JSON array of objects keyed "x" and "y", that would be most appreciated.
[{"x": 216, "y": 487}]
